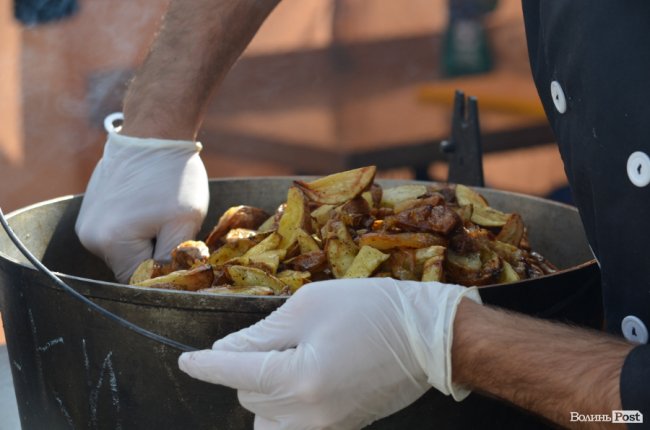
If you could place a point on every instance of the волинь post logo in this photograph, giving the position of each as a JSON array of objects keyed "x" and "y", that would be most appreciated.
[{"x": 617, "y": 417}]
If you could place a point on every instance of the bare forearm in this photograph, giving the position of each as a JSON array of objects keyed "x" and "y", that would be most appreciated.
[
  {"x": 197, "y": 45},
  {"x": 548, "y": 368}
]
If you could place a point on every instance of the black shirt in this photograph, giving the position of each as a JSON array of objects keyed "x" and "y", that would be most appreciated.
[{"x": 591, "y": 64}]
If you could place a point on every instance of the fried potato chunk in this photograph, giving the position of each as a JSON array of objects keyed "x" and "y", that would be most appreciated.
[
  {"x": 512, "y": 231},
  {"x": 313, "y": 262},
  {"x": 340, "y": 187},
  {"x": 365, "y": 263},
  {"x": 146, "y": 270},
  {"x": 294, "y": 279},
  {"x": 243, "y": 276},
  {"x": 340, "y": 255},
  {"x": 402, "y": 265},
  {"x": 432, "y": 266},
  {"x": 191, "y": 280},
  {"x": 384, "y": 240},
  {"x": 295, "y": 217},
  {"x": 346, "y": 226},
  {"x": 393, "y": 196},
  {"x": 189, "y": 254},
  {"x": 437, "y": 219},
  {"x": 247, "y": 217}
]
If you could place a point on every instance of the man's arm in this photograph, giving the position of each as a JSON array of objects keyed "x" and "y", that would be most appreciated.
[
  {"x": 197, "y": 45},
  {"x": 155, "y": 158},
  {"x": 548, "y": 368}
]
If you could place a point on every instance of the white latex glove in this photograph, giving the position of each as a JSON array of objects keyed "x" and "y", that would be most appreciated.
[
  {"x": 142, "y": 189},
  {"x": 339, "y": 354}
]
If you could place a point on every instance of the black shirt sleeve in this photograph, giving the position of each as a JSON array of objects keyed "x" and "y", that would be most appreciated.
[{"x": 635, "y": 384}]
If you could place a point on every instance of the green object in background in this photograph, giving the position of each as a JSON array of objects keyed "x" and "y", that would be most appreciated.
[
  {"x": 465, "y": 48},
  {"x": 487, "y": 6}
]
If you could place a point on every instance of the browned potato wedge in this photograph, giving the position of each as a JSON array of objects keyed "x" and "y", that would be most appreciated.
[
  {"x": 271, "y": 242},
  {"x": 229, "y": 251},
  {"x": 479, "y": 268},
  {"x": 164, "y": 269},
  {"x": 424, "y": 254},
  {"x": 373, "y": 196},
  {"x": 402, "y": 265},
  {"x": 491, "y": 268},
  {"x": 392, "y": 196},
  {"x": 510, "y": 254},
  {"x": 247, "y": 291},
  {"x": 506, "y": 251},
  {"x": 146, "y": 270},
  {"x": 365, "y": 263},
  {"x": 340, "y": 255},
  {"x": 294, "y": 279},
  {"x": 482, "y": 214},
  {"x": 268, "y": 225},
  {"x": 465, "y": 212},
  {"x": 240, "y": 233},
  {"x": 270, "y": 259},
  {"x": 513, "y": 230},
  {"x": 488, "y": 217},
  {"x": 339, "y": 187},
  {"x": 432, "y": 200},
  {"x": 336, "y": 229},
  {"x": 539, "y": 260},
  {"x": 322, "y": 214},
  {"x": 296, "y": 216},
  {"x": 267, "y": 261},
  {"x": 306, "y": 242},
  {"x": 243, "y": 276},
  {"x": 384, "y": 241},
  {"x": 437, "y": 219},
  {"x": 467, "y": 196},
  {"x": 469, "y": 263},
  {"x": 312, "y": 262},
  {"x": 190, "y": 280},
  {"x": 247, "y": 217},
  {"x": 188, "y": 254},
  {"x": 508, "y": 274},
  {"x": 355, "y": 213},
  {"x": 432, "y": 269}
]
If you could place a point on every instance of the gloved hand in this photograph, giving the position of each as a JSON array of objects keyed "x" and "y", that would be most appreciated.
[
  {"x": 142, "y": 189},
  {"x": 339, "y": 354}
]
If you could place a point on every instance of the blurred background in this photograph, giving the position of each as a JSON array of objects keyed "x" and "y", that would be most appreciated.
[{"x": 325, "y": 85}]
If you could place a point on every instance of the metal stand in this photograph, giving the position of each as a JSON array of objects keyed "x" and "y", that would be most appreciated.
[{"x": 464, "y": 146}]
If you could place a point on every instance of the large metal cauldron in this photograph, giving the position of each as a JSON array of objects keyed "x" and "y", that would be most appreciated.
[{"x": 75, "y": 369}]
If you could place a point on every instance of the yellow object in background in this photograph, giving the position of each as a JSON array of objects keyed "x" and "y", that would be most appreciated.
[{"x": 497, "y": 92}]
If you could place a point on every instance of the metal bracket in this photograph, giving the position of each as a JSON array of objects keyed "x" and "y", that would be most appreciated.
[{"x": 464, "y": 146}]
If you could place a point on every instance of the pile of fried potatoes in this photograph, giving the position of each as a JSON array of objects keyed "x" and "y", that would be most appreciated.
[{"x": 346, "y": 226}]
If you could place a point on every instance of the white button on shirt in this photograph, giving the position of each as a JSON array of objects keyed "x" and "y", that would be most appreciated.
[
  {"x": 558, "y": 97},
  {"x": 638, "y": 168},
  {"x": 634, "y": 330}
]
